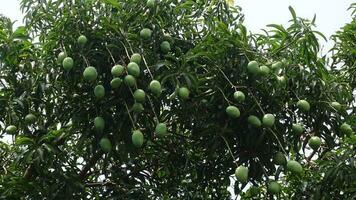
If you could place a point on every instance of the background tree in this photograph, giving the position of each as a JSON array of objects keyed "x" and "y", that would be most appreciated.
[{"x": 167, "y": 100}]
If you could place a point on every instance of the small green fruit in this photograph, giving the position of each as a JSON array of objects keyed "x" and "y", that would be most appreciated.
[
  {"x": 68, "y": 63},
  {"x": 239, "y": 96},
  {"x": 82, "y": 40},
  {"x": 146, "y": 33},
  {"x": 165, "y": 47},
  {"x": 61, "y": 57},
  {"x": 161, "y": 129},
  {"x": 268, "y": 120},
  {"x": 314, "y": 142},
  {"x": 139, "y": 95},
  {"x": 155, "y": 87},
  {"x": 241, "y": 174},
  {"x": 297, "y": 128},
  {"x": 136, "y": 58},
  {"x": 133, "y": 69},
  {"x": 151, "y": 3},
  {"x": 99, "y": 91},
  {"x": 254, "y": 191},
  {"x": 273, "y": 187},
  {"x": 137, "y": 138},
  {"x": 264, "y": 70},
  {"x": 279, "y": 159},
  {"x": 336, "y": 105},
  {"x": 90, "y": 74},
  {"x": 99, "y": 124},
  {"x": 346, "y": 129},
  {"x": 30, "y": 118},
  {"x": 277, "y": 65},
  {"x": 105, "y": 144},
  {"x": 115, "y": 83},
  {"x": 303, "y": 105},
  {"x": 138, "y": 108},
  {"x": 117, "y": 70},
  {"x": 294, "y": 167},
  {"x": 254, "y": 121},
  {"x": 130, "y": 80},
  {"x": 11, "y": 129},
  {"x": 183, "y": 93},
  {"x": 233, "y": 111},
  {"x": 253, "y": 68}
]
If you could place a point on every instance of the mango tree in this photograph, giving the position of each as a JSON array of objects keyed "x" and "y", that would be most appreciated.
[{"x": 164, "y": 100}]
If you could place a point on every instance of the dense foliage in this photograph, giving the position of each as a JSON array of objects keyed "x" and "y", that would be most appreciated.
[
  {"x": 344, "y": 50},
  {"x": 172, "y": 100}
]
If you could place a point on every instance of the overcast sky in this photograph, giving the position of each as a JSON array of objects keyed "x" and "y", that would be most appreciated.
[
  {"x": 11, "y": 8},
  {"x": 330, "y": 14}
]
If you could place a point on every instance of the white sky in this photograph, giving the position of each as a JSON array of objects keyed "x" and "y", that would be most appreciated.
[
  {"x": 11, "y": 9},
  {"x": 330, "y": 14}
]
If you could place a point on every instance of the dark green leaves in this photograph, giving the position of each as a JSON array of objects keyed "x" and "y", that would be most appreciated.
[{"x": 198, "y": 53}]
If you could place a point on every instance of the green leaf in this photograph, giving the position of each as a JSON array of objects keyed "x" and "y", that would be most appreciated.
[
  {"x": 23, "y": 140},
  {"x": 291, "y": 10},
  {"x": 20, "y": 33},
  {"x": 278, "y": 27},
  {"x": 113, "y": 3},
  {"x": 321, "y": 35}
]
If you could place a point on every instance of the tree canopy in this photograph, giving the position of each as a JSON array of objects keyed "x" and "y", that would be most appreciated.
[{"x": 131, "y": 99}]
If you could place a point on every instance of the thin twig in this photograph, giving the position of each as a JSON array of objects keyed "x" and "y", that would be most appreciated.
[
  {"x": 232, "y": 155},
  {"x": 232, "y": 85},
  {"x": 279, "y": 142},
  {"x": 86, "y": 61},
  {"x": 112, "y": 57},
  {"x": 127, "y": 53},
  {"x": 263, "y": 169},
  {"x": 128, "y": 112},
  {"x": 227, "y": 144},
  {"x": 148, "y": 69},
  {"x": 154, "y": 112},
  {"x": 224, "y": 95},
  {"x": 254, "y": 98},
  {"x": 100, "y": 184},
  {"x": 308, "y": 159}
]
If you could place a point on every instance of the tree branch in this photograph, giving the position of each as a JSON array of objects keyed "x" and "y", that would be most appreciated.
[{"x": 100, "y": 184}]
